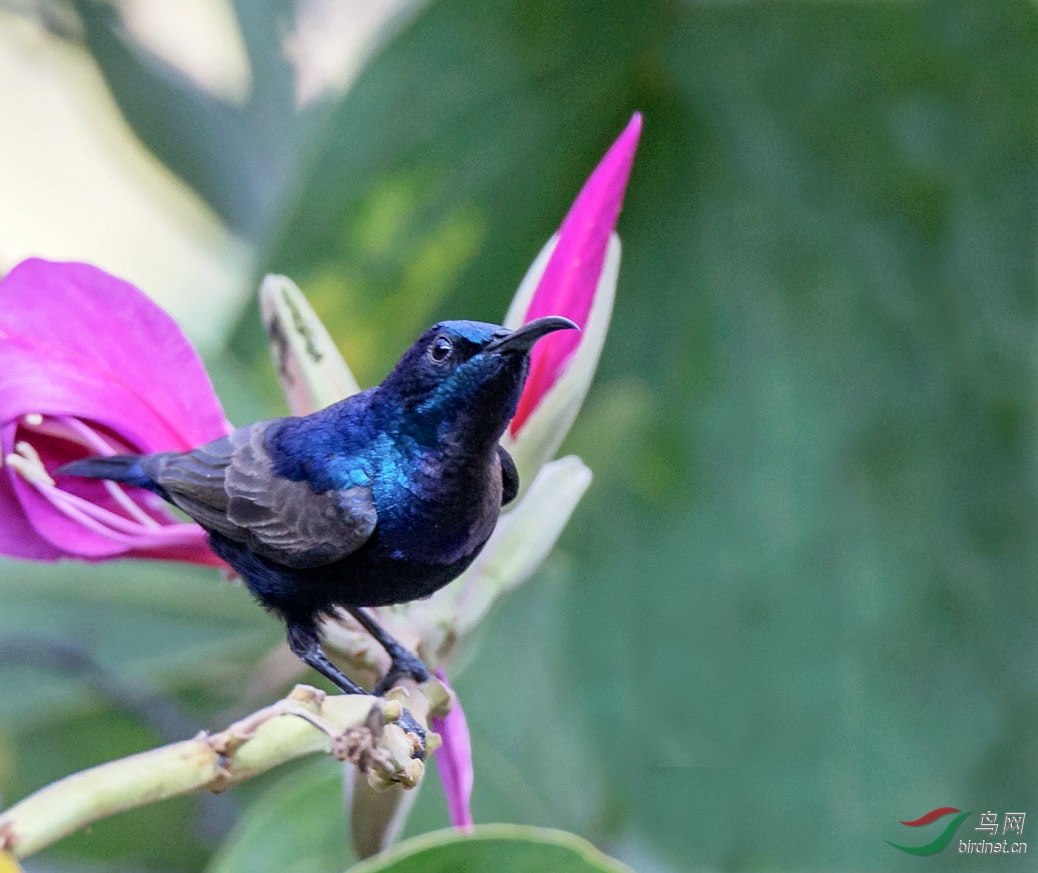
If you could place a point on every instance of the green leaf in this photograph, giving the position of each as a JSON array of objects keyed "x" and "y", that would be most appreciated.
[
  {"x": 80, "y": 635},
  {"x": 493, "y": 849},
  {"x": 295, "y": 826},
  {"x": 239, "y": 158}
]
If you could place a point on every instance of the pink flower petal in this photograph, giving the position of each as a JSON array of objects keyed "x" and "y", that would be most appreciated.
[
  {"x": 454, "y": 761},
  {"x": 42, "y": 377},
  {"x": 173, "y": 541},
  {"x": 97, "y": 317},
  {"x": 18, "y": 538},
  {"x": 59, "y": 384},
  {"x": 571, "y": 276}
]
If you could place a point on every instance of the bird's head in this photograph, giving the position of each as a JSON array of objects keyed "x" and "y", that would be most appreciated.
[{"x": 468, "y": 372}]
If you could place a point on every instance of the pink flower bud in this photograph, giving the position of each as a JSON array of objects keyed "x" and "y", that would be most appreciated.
[{"x": 567, "y": 286}]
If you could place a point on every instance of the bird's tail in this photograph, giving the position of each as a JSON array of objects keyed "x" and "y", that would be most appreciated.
[{"x": 118, "y": 468}]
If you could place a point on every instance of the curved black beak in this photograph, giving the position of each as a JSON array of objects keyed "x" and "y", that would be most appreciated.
[{"x": 522, "y": 338}]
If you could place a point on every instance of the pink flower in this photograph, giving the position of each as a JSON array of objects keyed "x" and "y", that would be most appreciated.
[
  {"x": 575, "y": 267},
  {"x": 89, "y": 365}
]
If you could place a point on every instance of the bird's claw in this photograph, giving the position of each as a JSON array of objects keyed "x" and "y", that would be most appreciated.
[
  {"x": 405, "y": 665},
  {"x": 410, "y": 726}
]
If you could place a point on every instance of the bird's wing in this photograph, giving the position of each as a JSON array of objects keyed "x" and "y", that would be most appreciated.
[
  {"x": 509, "y": 476},
  {"x": 229, "y": 486}
]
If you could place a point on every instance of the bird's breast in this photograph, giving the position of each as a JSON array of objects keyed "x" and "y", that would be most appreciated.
[{"x": 434, "y": 509}]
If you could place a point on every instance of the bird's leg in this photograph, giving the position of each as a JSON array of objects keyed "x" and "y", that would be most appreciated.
[
  {"x": 402, "y": 661},
  {"x": 304, "y": 643}
]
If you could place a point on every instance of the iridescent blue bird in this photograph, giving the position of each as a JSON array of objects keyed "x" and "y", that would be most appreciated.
[{"x": 381, "y": 498}]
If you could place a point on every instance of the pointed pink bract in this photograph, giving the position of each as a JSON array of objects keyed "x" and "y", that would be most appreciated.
[
  {"x": 571, "y": 275},
  {"x": 454, "y": 761}
]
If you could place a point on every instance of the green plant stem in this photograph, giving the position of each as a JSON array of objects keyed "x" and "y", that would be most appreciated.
[{"x": 355, "y": 728}]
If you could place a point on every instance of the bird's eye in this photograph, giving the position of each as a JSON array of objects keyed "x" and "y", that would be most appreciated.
[{"x": 441, "y": 349}]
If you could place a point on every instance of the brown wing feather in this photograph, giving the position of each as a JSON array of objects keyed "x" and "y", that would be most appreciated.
[{"x": 229, "y": 486}]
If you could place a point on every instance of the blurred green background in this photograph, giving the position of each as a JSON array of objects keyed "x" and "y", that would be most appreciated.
[{"x": 798, "y": 603}]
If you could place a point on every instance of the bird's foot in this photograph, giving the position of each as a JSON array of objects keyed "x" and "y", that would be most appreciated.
[
  {"x": 410, "y": 726},
  {"x": 405, "y": 665},
  {"x": 303, "y": 641}
]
